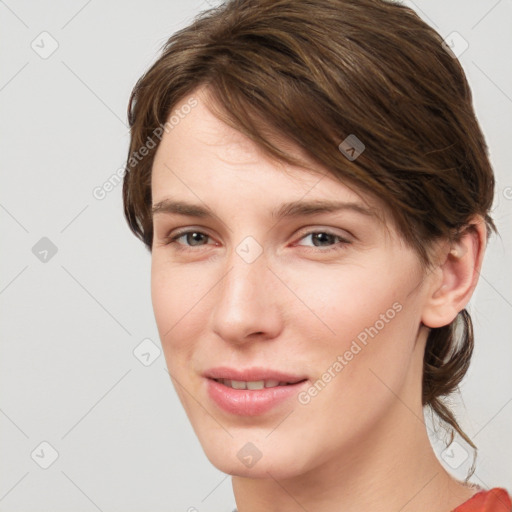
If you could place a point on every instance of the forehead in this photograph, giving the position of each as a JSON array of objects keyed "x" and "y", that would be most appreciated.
[
  {"x": 200, "y": 135},
  {"x": 202, "y": 158}
]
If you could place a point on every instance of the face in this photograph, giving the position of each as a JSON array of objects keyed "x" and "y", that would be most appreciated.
[{"x": 329, "y": 302}]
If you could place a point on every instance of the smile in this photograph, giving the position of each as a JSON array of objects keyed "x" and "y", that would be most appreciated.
[
  {"x": 255, "y": 384},
  {"x": 251, "y": 398}
]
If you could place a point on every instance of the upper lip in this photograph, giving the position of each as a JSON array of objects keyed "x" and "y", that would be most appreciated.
[{"x": 251, "y": 374}]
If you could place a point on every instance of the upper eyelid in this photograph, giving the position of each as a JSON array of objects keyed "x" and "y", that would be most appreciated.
[
  {"x": 316, "y": 219},
  {"x": 302, "y": 233}
]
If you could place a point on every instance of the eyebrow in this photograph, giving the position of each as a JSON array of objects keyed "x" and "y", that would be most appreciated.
[{"x": 286, "y": 210}]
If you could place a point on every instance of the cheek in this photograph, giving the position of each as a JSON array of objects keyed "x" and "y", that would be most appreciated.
[
  {"x": 176, "y": 306},
  {"x": 177, "y": 302},
  {"x": 338, "y": 305},
  {"x": 360, "y": 327}
]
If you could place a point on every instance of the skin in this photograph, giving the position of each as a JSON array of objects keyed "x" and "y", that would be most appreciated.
[{"x": 360, "y": 443}]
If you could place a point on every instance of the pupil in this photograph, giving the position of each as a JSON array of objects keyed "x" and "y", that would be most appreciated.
[
  {"x": 193, "y": 234},
  {"x": 318, "y": 236}
]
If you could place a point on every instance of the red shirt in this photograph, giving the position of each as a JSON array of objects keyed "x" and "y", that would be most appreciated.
[{"x": 496, "y": 499}]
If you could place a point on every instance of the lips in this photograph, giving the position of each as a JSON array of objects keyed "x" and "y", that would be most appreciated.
[
  {"x": 252, "y": 391},
  {"x": 252, "y": 374}
]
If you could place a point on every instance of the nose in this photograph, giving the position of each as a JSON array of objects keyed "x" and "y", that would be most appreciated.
[{"x": 247, "y": 301}]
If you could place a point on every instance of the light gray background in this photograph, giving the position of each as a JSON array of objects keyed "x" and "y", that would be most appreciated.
[{"x": 70, "y": 325}]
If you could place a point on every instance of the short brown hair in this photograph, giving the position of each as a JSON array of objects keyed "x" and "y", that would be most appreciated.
[{"x": 317, "y": 71}]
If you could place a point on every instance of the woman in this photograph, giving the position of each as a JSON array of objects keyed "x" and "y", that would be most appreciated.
[{"x": 314, "y": 188}]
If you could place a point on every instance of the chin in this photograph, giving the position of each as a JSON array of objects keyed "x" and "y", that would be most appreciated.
[{"x": 238, "y": 456}]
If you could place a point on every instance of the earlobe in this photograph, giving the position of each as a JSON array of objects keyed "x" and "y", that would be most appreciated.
[{"x": 455, "y": 279}]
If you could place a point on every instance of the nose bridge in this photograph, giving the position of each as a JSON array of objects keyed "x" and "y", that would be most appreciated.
[
  {"x": 247, "y": 275},
  {"x": 244, "y": 304}
]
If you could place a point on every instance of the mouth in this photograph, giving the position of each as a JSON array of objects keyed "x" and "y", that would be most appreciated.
[
  {"x": 251, "y": 392},
  {"x": 255, "y": 384},
  {"x": 255, "y": 376}
]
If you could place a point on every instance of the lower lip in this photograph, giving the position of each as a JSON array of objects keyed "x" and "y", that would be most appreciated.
[{"x": 250, "y": 402}]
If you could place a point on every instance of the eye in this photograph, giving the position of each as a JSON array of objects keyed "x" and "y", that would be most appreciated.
[
  {"x": 191, "y": 236},
  {"x": 324, "y": 237},
  {"x": 320, "y": 238}
]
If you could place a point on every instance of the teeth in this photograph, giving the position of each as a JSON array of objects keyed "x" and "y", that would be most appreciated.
[
  {"x": 258, "y": 384},
  {"x": 238, "y": 384}
]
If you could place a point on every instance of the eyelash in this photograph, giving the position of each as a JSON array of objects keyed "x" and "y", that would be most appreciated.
[{"x": 336, "y": 247}]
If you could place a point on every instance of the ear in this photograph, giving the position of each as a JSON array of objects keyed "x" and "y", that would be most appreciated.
[{"x": 454, "y": 281}]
